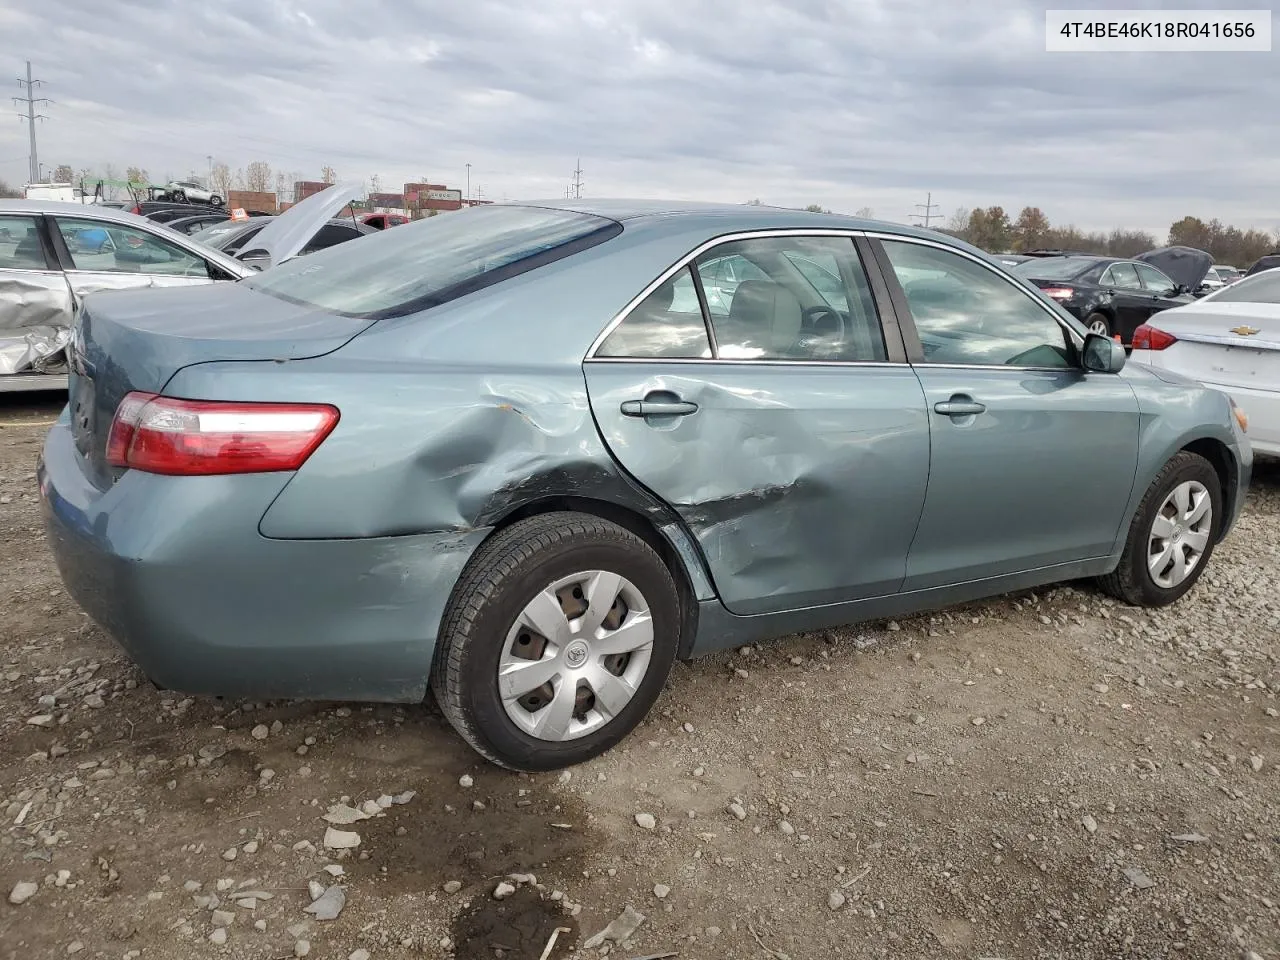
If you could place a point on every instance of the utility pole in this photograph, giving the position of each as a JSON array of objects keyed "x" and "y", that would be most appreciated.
[
  {"x": 928, "y": 206},
  {"x": 209, "y": 183},
  {"x": 577, "y": 180},
  {"x": 33, "y": 168},
  {"x": 468, "y": 183}
]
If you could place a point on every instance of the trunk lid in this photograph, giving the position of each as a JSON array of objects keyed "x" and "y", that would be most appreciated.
[
  {"x": 1255, "y": 326},
  {"x": 137, "y": 340}
]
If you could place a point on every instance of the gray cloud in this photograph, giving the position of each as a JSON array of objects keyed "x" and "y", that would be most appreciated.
[{"x": 848, "y": 103}]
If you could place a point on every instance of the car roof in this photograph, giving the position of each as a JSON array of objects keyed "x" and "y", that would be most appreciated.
[
  {"x": 733, "y": 217},
  {"x": 66, "y": 208}
]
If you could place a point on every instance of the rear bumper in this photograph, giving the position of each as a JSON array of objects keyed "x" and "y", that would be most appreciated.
[{"x": 177, "y": 572}]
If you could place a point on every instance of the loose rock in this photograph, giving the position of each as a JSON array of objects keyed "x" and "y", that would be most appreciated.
[
  {"x": 22, "y": 892},
  {"x": 341, "y": 839},
  {"x": 646, "y": 821},
  {"x": 328, "y": 905}
]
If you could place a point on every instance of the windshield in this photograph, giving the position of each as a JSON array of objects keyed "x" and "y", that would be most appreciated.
[
  {"x": 395, "y": 272},
  {"x": 1054, "y": 268},
  {"x": 1260, "y": 288}
]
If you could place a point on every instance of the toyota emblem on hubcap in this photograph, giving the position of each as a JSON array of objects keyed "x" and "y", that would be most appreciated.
[{"x": 575, "y": 655}]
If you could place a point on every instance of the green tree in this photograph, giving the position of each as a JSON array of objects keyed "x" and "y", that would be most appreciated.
[
  {"x": 990, "y": 229},
  {"x": 137, "y": 175},
  {"x": 1030, "y": 228}
]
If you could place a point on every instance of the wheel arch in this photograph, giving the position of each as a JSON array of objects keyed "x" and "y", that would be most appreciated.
[
  {"x": 1224, "y": 465},
  {"x": 671, "y": 541}
]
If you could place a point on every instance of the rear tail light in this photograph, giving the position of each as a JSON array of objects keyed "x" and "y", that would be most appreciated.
[
  {"x": 202, "y": 437},
  {"x": 1147, "y": 337},
  {"x": 1059, "y": 293}
]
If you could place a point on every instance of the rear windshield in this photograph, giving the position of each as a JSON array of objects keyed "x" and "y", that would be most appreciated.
[
  {"x": 1260, "y": 288},
  {"x": 434, "y": 260},
  {"x": 1054, "y": 268}
]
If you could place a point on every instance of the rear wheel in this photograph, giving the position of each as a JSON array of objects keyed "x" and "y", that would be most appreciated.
[
  {"x": 1172, "y": 534},
  {"x": 1099, "y": 324},
  {"x": 557, "y": 641}
]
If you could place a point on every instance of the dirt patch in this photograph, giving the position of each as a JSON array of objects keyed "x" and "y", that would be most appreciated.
[{"x": 517, "y": 927}]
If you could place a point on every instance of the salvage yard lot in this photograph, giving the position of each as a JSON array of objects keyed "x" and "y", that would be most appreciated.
[{"x": 1046, "y": 775}]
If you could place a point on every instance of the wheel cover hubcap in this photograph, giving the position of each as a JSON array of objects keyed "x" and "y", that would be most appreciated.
[
  {"x": 575, "y": 656},
  {"x": 1098, "y": 326},
  {"x": 1180, "y": 534}
]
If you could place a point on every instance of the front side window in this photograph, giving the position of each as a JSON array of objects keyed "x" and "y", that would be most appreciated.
[
  {"x": 20, "y": 245},
  {"x": 397, "y": 272},
  {"x": 968, "y": 315},
  {"x": 667, "y": 324},
  {"x": 1155, "y": 281},
  {"x": 105, "y": 247}
]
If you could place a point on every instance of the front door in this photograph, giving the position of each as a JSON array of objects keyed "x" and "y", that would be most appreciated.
[
  {"x": 1132, "y": 303},
  {"x": 1162, "y": 293},
  {"x": 791, "y": 447},
  {"x": 105, "y": 255},
  {"x": 1033, "y": 458}
]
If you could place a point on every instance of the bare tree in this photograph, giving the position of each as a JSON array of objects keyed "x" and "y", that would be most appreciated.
[
  {"x": 958, "y": 224},
  {"x": 865, "y": 212},
  {"x": 375, "y": 184},
  {"x": 257, "y": 177},
  {"x": 221, "y": 179},
  {"x": 136, "y": 175},
  {"x": 8, "y": 192},
  {"x": 63, "y": 174},
  {"x": 328, "y": 174}
]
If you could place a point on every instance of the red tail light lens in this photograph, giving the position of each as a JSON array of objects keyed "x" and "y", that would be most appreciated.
[
  {"x": 1147, "y": 337},
  {"x": 203, "y": 437},
  {"x": 1059, "y": 293}
]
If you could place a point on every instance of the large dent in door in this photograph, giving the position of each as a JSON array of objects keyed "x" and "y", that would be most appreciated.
[{"x": 35, "y": 313}]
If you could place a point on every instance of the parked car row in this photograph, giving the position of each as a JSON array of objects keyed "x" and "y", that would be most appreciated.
[
  {"x": 53, "y": 255},
  {"x": 527, "y": 455}
]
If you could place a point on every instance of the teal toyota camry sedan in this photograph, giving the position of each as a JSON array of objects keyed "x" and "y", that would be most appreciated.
[{"x": 526, "y": 455}]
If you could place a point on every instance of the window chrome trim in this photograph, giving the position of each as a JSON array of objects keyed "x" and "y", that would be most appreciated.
[
  {"x": 1076, "y": 339},
  {"x": 748, "y": 361},
  {"x": 687, "y": 260}
]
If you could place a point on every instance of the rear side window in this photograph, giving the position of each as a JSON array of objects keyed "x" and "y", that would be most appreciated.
[
  {"x": 20, "y": 245},
  {"x": 434, "y": 260},
  {"x": 667, "y": 324}
]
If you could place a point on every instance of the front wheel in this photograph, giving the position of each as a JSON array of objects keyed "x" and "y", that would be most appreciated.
[
  {"x": 1172, "y": 534},
  {"x": 556, "y": 642}
]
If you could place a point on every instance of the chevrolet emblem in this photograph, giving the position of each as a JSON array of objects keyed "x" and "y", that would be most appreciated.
[{"x": 1245, "y": 331}]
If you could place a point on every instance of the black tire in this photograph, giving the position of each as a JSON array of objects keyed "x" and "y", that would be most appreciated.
[
  {"x": 1131, "y": 581},
  {"x": 505, "y": 573},
  {"x": 1100, "y": 318}
]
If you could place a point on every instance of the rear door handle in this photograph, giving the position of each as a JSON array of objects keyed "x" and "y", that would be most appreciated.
[
  {"x": 957, "y": 407},
  {"x": 658, "y": 408}
]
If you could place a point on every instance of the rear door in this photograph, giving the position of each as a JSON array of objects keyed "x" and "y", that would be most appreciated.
[
  {"x": 35, "y": 302},
  {"x": 784, "y": 427},
  {"x": 1033, "y": 459}
]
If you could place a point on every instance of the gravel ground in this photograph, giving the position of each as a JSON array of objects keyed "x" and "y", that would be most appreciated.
[{"x": 1046, "y": 775}]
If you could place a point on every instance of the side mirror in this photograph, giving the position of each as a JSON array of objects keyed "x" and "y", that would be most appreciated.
[{"x": 1102, "y": 354}]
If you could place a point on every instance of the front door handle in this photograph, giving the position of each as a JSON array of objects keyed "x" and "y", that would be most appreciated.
[
  {"x": 658, "y": 408},
  {"x": 959, "y": 406}
]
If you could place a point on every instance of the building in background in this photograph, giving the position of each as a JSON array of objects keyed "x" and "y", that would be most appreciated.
[
  {"x": 429, "y": 199},
  {"x": 250, "y": 201},
  {"x": 307, "y": 188}
]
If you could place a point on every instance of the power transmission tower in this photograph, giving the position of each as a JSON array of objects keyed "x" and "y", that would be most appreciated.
[
  {"x": 577, "y": 180},
  {"x": 928, "y": 206},
  {"x": 31, "y": 117}
]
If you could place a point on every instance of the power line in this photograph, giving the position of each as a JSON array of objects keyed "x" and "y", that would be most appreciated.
[
  {"x": 928, "y": 206},
  {"x": 577, "y": 179},
  {"x": 31, "y": 117}
]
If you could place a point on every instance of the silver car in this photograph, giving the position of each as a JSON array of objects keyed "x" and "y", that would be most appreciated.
[{"x": 53, "y": 255}]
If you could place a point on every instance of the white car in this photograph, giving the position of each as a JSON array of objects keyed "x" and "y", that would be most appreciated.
[
  {"x": 1229, "y": 340},
  {"x": 192, "y": 192}
]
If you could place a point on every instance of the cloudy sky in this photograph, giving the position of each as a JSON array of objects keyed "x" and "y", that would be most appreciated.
[{"x": 847, "y": 103}]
